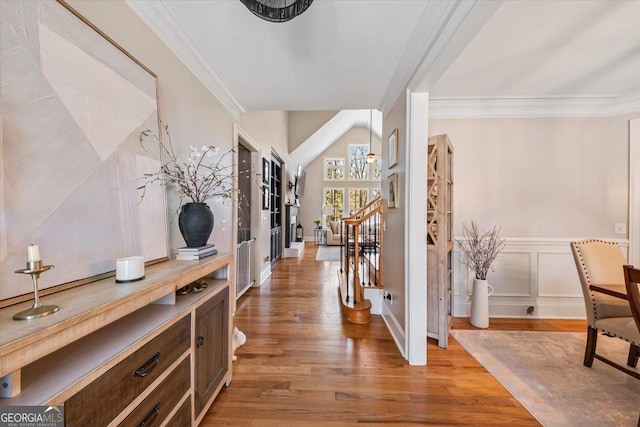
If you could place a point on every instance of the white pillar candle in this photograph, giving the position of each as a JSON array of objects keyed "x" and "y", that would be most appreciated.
[{"x": 33, "y": 253}]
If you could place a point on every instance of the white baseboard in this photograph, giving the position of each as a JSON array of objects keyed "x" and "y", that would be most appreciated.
[
  {"x": 395, "y": 329},
  {"x": 246, "y": 288},
  {"x": 264, "y": 275},
  {"x": 541, "y": 310}
]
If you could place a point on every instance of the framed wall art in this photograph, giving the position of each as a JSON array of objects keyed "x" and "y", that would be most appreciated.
[
  {"x": 393, "y": 148},
  {"x": 73, "y": 106},
  {"x": 265, "y": 171},
  {"x": 392, "y": 183},
  {"x": 265, "y": 198}
]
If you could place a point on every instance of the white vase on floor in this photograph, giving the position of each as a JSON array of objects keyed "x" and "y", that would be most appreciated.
[{"x": 480, "y": 303}]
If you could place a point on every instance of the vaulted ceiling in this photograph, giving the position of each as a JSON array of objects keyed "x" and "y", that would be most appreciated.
[
  {"x": 550, "y": 49},
  {"x": 349, "y": 54}
]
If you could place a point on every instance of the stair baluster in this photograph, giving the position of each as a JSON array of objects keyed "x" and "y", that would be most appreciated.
[{"x": 360, "y": 254}]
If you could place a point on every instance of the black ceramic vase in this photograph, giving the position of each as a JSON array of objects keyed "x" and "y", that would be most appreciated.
[{"x": 196, "y": 223}]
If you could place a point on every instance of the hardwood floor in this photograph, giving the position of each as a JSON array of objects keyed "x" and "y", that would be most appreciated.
[{"x": 303, "y": 365}]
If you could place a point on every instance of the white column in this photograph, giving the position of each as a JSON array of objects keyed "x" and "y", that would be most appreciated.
[{"x": 416, "y": 228}]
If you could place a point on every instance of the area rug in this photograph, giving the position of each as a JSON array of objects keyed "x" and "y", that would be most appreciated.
[
  {"x": 328, "y": 253},
  {"x": 544, "y": 372}
]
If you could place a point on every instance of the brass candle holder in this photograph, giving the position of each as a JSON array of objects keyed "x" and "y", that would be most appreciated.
[{"x": 34, "y": 268}]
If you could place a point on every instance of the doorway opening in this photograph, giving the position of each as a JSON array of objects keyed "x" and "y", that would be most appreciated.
[
  {"x": 246, "y": 212},
  {"x": 275, "y": 195}
]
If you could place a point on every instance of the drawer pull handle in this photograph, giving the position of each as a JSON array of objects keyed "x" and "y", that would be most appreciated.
[
  {"x": 200, "y": 341},
  {"x": 151, "y": 416},
  {"x": 147, "y": 367}
]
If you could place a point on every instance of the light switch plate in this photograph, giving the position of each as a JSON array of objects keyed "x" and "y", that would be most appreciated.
[{"x": 620, "y": 228}]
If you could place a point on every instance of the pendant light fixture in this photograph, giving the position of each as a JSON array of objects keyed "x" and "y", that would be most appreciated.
[
  {"x": 371, "y": 158},
  {"x": 277, "y": 10}
]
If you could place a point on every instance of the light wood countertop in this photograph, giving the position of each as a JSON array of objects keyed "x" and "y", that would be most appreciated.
[{"x": 87, "y": 308}]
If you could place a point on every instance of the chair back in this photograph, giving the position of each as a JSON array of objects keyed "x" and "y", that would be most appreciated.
[
  {"x": 632, "y": 282},
  {"x": 600, "y": 262}
]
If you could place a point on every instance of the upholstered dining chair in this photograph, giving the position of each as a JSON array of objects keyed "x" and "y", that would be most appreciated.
[
  {"x": 632, "y": 283},
  {"x": 601, "y": 263}
]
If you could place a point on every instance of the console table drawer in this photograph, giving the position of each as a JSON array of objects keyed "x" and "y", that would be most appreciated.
[
  {"x": 155, "y": 408},
  {"x": 102, "y": 400},
  {"x": 182, "y": 418}
]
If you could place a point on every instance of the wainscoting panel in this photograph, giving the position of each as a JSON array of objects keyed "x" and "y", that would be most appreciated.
[
  {"x": 536, "y": 274},
  {"x": 557, "y": 275},
  {"x": 512, "y": 274}
]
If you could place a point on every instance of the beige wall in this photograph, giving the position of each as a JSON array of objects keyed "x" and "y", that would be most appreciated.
[
  {"x": 193, "y": 115},
  {"x": 311, "y": 202},
  {"x": 394, "y": 235},
  {"x": 540, "y": 177},
  {"x": 269, "y": 130},
  {"x": 545, "y": 182},
  {"x": 303, "y": 124}
]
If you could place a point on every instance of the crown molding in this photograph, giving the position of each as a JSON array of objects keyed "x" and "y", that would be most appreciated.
[
  {"x": 164, "y": 25},
  {"x": 438, "y": 23},
  {"x": 597, "y": 106}
]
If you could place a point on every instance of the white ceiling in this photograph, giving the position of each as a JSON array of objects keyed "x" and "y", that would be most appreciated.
[
  {"x": 331, "y": 52},
  {"x": 345, "y": 54},
  {"x": 550, "y": 49}
]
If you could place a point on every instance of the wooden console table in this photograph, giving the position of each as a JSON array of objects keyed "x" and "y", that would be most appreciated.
[{"x": 104, "y": 328}]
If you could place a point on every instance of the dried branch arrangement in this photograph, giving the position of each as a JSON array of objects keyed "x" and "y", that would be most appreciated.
[
  {"x": 205, "y": 175},
  {"x": 480, "y": 248}
]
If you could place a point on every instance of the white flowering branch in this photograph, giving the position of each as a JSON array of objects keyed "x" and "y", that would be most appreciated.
[
  {"x": 480, "y": 248},
  {"x": 205, "y": 175}
]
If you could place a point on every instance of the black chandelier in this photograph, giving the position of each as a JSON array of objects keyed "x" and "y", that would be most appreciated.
[{"x": 277, "y": 10}]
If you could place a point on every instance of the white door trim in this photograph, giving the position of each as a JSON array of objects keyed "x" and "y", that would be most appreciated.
[
  {"x": 415, "y": 182},
  {"x": 256, "y": 155}
]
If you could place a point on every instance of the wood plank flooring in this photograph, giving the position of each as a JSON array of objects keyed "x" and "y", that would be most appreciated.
[{"x": 304, "y": 365}]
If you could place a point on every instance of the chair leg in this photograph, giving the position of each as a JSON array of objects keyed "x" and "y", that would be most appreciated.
[
  {"x": 634, "y": 355},
  {"x": 590, "y": 350}
]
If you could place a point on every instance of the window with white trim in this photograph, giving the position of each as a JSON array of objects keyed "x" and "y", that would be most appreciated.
[
  {"x": 334, "y": 168},
  {"x": 375, "y": 193},
  {"x": 358, "y": 166},
  {"x": 375, "y": 169},
  {"x": 333, "y": 202},
  {"x": 358, "y": 198}
]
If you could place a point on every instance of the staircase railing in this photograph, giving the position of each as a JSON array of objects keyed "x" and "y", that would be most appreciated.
[{"x": 361, "y": 250}]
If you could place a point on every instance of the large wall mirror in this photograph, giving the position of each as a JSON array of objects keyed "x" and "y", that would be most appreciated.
[{"x": 73, "y": 106}]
